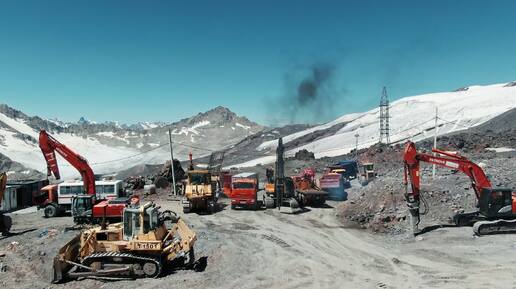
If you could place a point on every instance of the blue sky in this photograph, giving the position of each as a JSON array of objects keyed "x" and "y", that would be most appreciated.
[{"x": 164, "y": 60}]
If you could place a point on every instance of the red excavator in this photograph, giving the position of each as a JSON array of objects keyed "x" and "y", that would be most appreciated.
[
  {"x": 497, "y": 207},
  {"x": 86, "y": 206}
]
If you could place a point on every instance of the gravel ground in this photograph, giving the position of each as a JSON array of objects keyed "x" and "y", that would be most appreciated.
[{"x": 269, "y": 249}]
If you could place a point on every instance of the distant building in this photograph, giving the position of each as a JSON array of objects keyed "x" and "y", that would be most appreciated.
[{"x": 22, "y": 193}]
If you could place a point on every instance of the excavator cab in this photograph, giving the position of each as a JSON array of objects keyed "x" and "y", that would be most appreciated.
[
  {"x": 82, "y": 206},
  {"x": 497, "y": 203}
]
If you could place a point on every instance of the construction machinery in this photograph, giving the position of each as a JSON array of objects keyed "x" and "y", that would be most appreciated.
[
  {"x": 335, "y": 184},
  {"x": 309, "y": 193},
  {"x": 367, "y": 173},
  {"x": 348, "y": 168},
  {"x": 98, "y": 200},
  {"x": 202, "y": 186},
  {"x": 280, "y": 190},
  {"x": 497, "y": 206},
  {"x": 5, "y": 221},
  {"x": 244, "y": 190},
  {"x": 141, "y": 246}
]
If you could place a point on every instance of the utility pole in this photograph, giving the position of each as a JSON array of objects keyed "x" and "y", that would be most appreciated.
[
  {"x": 172, "y": 162},
  {"x": 356, "y": 145},
  {"x": 435, "y": 142}
]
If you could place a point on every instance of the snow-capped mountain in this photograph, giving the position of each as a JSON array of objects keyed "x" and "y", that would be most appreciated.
[
  {"x": 411, "y": 117},
  {"x": 110, "y": 147}
]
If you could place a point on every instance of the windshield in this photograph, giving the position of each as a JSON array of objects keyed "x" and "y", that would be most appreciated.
[
  {"x": 198, "y": 178},
  {"x": 243, "y": 185}
]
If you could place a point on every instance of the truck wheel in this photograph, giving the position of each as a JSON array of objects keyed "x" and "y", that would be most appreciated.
[
  {"x": 50, "y": 211},
  {"x": 211, "y": 207},
  {"x": 269, "y": 202}
]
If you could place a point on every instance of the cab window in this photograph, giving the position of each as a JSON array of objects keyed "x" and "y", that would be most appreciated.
[{"x": 198, "y": 179}]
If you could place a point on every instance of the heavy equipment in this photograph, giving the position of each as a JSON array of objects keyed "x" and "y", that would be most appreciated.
[
  {"x": 497, "y": 206},
  {"x": 309, "y": 193},
  {"x": 368, "y": 173},
  {"x": 279, "y": 189},
  {"x": 202, "y": 186},
  {"x": 5, "y": 221},
  {"x": 349, "y": 167},
  {"x": 244, "y": 190},
  {"x": 88, "y": 205},
  {"x": 141, "y": 246},
  {"x": 335, "y": 184}
]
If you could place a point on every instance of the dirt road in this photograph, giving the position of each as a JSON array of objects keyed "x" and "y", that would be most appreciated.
[{"x": 268, "y": 249}]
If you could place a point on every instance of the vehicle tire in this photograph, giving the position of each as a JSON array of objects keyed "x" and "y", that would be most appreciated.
[
  {"x": 50, "y": 211},
  {"x": 233, "y": 207},
  {"x": 269, "y": 202},
  {"x": 211, "y": 207}
]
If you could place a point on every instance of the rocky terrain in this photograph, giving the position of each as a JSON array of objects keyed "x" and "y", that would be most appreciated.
[{"x": 380, "y": 206}]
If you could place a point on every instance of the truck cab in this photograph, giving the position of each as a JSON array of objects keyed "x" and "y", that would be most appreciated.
[{"x": 244, "y": 190}]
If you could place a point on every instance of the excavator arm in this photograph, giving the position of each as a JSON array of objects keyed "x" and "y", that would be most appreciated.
[
  {"x": 412, "y": 159},
  {"x": 3, "y": 185},
  {"x": 49, "y": 146}
]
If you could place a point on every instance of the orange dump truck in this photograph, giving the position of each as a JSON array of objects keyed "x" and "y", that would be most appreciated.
[{"x": 244, "y": 190}]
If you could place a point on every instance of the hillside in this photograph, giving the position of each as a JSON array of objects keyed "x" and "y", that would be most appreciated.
[
  {"x": 412, "y": 117},
  {"x": 111, "y": 147}
]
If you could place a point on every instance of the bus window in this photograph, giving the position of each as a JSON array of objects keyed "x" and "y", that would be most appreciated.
[
  {"x": 121, "y": 192},
  {"x": 75, "y": 190},
  {"x": 99, "y": 189},
  {"x": 64, "y": 190},
  {"x": 109, "y": 189}
]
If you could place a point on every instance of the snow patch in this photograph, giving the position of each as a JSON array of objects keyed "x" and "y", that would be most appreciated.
[
  {"x": 501, "y": 150},
  {"x": 246, "y": 127}
]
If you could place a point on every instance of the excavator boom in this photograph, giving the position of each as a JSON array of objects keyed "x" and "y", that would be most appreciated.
[{"x": 49, "y": 146}]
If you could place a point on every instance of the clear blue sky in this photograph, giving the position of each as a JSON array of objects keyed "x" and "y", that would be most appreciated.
[{"x": 164, "y": 60}]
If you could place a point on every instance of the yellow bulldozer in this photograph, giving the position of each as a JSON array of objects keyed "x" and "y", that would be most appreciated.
[{"x": 141, "y": 246}]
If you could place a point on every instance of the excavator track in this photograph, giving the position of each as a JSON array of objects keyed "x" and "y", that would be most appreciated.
[
  {"x": 482, "y": 228},
  {"x": 112, "y": 264}
]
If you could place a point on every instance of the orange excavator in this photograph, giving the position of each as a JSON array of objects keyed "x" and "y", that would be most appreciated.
[
  {"x": 85, "y": 207},
  {"x": 497, "y": 206}
]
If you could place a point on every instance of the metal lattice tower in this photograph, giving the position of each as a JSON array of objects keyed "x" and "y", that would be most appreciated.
[{"x": 384, "y": 117}]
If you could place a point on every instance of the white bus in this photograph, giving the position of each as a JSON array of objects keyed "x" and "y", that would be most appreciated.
[{"x": 104, "y": 190}]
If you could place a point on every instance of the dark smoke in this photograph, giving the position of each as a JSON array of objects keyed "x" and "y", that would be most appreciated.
[
  {"x": 308, "y": 89},
  {"x": 309, "y": 95}
]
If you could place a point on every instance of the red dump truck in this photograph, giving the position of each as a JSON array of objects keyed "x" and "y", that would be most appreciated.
[{"x": 244, "y": 190}]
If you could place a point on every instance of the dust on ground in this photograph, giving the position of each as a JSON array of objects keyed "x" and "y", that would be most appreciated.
[{"x": 269, "y": 249}]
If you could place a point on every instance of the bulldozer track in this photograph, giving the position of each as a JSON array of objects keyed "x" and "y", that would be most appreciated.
[
  {"x": 132, "y": 258},
  {"x": 276, "y": 240}
]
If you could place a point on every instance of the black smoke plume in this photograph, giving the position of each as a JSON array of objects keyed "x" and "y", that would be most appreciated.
[{"x": 309, "y": 95}]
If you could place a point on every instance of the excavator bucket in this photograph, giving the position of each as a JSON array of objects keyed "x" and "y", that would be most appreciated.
[{"x": 62, "y": 262}]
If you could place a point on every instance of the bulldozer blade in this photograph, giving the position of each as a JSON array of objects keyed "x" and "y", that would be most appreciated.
[{"x": 68, "y": 252}]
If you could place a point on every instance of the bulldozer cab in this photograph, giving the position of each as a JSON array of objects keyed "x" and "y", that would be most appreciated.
[{"x": 140, "y": 220}]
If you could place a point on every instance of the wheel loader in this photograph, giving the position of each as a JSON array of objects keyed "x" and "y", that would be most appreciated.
[
  {"x": 203, "y": 186},
  {"x": 141, "y": 246},
  {"x": 200, "y": 192}
]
